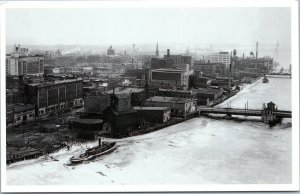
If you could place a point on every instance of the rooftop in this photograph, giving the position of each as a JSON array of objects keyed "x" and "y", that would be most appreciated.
[
  {"x": 169, "y": 99},
  {"x": 22, "y": 107},
  {"x": 55, "y": 82},
  {"x": 149, "y": 108},
  {"x": 207, "y": 90},
  {"x": 86, "y": 121},
  {"x": 127, "y": 90},
  {"x": 167, "y": 70},
  {"x": 170, "y": 90}
]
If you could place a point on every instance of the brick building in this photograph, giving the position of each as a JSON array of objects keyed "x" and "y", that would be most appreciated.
[{"x": 50, "y": 97}]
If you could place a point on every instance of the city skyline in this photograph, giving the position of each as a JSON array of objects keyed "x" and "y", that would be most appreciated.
[{"x": 225, "y": 28}]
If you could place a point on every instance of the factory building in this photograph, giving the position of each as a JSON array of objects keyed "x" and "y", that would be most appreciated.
[
  {"x": 206, "y": 95},
  {"x": 179, "y": 61},
  {"x": 94, "y": 106},
  {"x": 154, "y": 114},
  {"x": 175, "y": 93},
  {"x": 209, "y": 69},
  {"x": 171, "y": 78},
  {"x": 158, "y": 63},
  {"x": 51, "y": 97},
  {"x": 120, "y": 118},
  {"x": 180, "y": 107}
]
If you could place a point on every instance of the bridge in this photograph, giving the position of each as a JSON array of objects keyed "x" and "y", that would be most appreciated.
[{"x": 268, "y": 114}]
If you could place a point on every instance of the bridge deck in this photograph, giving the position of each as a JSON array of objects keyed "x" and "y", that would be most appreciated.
[{"x": 245, "y": 112}]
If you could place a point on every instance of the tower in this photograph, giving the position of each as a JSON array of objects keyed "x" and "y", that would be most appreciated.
[
  {"x": 256, "y": 55},
  {"x": 156, "y": 51}
]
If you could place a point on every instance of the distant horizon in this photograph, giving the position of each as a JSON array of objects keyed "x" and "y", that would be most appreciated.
[{"x": 213, "y": 29}]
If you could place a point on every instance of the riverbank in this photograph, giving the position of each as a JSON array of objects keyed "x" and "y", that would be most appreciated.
[{"x": 197, "y": 151}]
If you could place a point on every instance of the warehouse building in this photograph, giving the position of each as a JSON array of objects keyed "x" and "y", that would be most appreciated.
[
  {"x": 51, "y": 97},
  {"x": 154, "y": 114},
  {"x": 180, "y": 107},
  {"x": 205, "y": 95}
]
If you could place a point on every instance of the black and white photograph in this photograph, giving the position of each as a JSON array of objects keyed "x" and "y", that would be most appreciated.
[{"x": 149, "y": 96}]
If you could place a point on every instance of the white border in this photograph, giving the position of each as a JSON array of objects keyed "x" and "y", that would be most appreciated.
[{"x": 155, "y": 4}]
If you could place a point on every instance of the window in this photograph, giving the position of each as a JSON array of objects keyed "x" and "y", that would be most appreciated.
[
  {"x": 18, "y": 118},
  {"x": 30, "y": 115}
]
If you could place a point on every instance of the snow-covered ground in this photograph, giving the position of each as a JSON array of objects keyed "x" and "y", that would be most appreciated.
[{"x": 198, "y": 151}]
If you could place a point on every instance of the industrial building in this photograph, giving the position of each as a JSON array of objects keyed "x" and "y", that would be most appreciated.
[
  {"x": 94, "y": 106},
  {"x": 158, "y": 63},
  {"x": 50, "y": 97},
  {"x": 153, "y": 114},
  {"x": 179, "y": 61},
  {"x": 171, "y": 78},
  {"x": 209, "y": 69},
  {"x": 206, "y": 95},
  {"x": 175, "y": 93},
  {"x": 120, "y": 118},
  {"x": 180, "y": 107}
]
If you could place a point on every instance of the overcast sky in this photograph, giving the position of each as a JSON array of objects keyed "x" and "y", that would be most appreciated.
[{"x": 192, "y": 26}]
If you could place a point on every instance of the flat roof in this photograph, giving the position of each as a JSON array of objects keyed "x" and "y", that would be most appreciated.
[
  {"x": 23, "y": 107},
  {"x": 55, "y": 82},
  {"x": 86, "y": 121},
  {"x": 150, "y": 108},
  {"x": 169, "y": 99},
  {"x": 167, "y": 70},
  {"x": 171, "y": 90},
  {"x": 127, "y": 90},
  {"x": 207, "y": 90}
]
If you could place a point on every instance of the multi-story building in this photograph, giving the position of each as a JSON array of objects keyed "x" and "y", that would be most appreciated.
[
  {"x": 179, "y": 61},
  {"x": 50, "y": 97},
  {"x": 25, "y": 65},
  {"x": 221, "y": 57},
  {"x": 158, "y": 63},
  {"x": 171, "y": 78},
  {"x": 211, "y": 70}
]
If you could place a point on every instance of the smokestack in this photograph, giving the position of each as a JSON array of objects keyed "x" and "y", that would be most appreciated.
[
  {"x": 168, "y": 52},
  {"x": 243, "y": 55},
  {"x": 256, "y": 50}
]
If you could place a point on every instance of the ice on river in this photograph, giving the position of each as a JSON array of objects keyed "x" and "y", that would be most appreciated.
[{"x": 198, "y": 151}]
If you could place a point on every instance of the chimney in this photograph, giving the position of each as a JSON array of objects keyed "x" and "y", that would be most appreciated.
[
  {"x": 168, "y": 52},
  {"x": 243, "y": 55}
]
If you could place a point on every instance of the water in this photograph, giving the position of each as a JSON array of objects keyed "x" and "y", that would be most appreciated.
[{"x": 198, "y": 151}]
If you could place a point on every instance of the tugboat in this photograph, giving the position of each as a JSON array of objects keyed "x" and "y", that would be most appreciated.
[
  {"x": 265, "y": 80},
  {"x": 91, "y": 153}
]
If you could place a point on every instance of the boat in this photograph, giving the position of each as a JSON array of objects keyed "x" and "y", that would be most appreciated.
[
  {"x": 265, "y": 80},
  {"x": 92, "y": 153}
]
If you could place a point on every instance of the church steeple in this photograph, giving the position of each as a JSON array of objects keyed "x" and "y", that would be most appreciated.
[{"x": 156, "y": 51}]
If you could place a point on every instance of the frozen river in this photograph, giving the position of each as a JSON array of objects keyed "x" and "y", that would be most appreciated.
[{"x": 198, "y": 151}]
